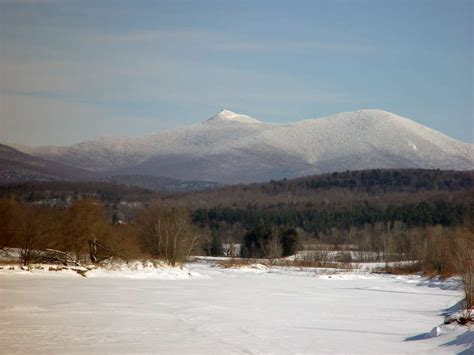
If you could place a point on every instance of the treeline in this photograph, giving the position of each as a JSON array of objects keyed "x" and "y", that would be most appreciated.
[
  {"x": 350, "y": 187},
  {"x": 83, "y": 232},
  {"x": 377, "y": 180},
  {"x": 375, "y": 187},
  {"x": 66, "y": 192},
  {"x": 323, "y": 218}
]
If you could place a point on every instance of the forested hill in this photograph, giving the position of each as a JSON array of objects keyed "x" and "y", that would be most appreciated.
[
  {"x": 410, "y": 180},
  {"x": 341, "y": 200},
  {"x": 381, "y": 186}
]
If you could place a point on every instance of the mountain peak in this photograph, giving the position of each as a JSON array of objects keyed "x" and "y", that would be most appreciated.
[{"x": 229, "y": 116}]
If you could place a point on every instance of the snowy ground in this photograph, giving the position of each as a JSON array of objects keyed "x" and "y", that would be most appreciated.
[{"x": 204, "y": 309}]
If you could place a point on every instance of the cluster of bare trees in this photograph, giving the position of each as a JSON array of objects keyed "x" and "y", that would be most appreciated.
[
  {"x": 84, "y": 233},
  {"x": 432, "y": 246},
  {"x": 74, "y": 235},
  {"x": 435, "y": 250},
  {"x": 166, "y": 232},
  {"x": 28, "y": 228}
]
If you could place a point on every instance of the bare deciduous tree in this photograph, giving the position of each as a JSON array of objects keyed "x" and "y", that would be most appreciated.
[
  {"x": 86, "y": 229},
  {"x": 462, "y": 254},
  {"x": 33, "y": 227},
  {"x": 166, "y": 232},
  {"x": 272, "y": 247}
]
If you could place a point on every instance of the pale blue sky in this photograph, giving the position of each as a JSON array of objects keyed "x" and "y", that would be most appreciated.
[{"x": 75, "y": 70}]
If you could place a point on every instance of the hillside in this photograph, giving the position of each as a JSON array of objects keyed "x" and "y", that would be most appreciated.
[
  {"x": 16, "y": 166},
  {"x": 345, "y": 188}
]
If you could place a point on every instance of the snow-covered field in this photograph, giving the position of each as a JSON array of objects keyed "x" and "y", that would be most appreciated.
[{"x": 207, "y": 310}]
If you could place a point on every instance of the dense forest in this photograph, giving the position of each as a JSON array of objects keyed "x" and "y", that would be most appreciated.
[
  {"x": 341, "y": 200},
  {"x": 389, "y": 180},
  {"x": 323, "y": 218}
]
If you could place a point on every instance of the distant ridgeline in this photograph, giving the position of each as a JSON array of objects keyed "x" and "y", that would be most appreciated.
[
  {"x": 410, "y": 180},
  {"x": 345, "y": 200},
  {"x": 63, "y": 193}
]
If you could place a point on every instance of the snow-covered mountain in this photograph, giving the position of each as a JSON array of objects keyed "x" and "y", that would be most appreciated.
[{"x": 235, "y": 148}]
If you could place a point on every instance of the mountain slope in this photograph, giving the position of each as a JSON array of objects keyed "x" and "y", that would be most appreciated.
[
  {"x": 17, "y": 166},
  {"x": 370, "y": 139},
  {"x": 234, "y": 148}
]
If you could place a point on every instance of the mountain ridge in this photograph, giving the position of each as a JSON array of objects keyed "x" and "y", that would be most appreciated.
[{"x": 234, "y": 148}]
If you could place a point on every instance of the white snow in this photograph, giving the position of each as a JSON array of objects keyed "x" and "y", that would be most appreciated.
[
  {"x": 133, "y": 270},
  {"x": 147, "y": 271},
  {"x": 413, "y": 146},
  {"x": 248, "y": 310},
  {"x": 435, "y": 332},
  {"x": 229, "y": 116}
]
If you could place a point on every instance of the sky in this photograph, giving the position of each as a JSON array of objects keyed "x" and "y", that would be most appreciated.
[{"x": 75, "y": 70}]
